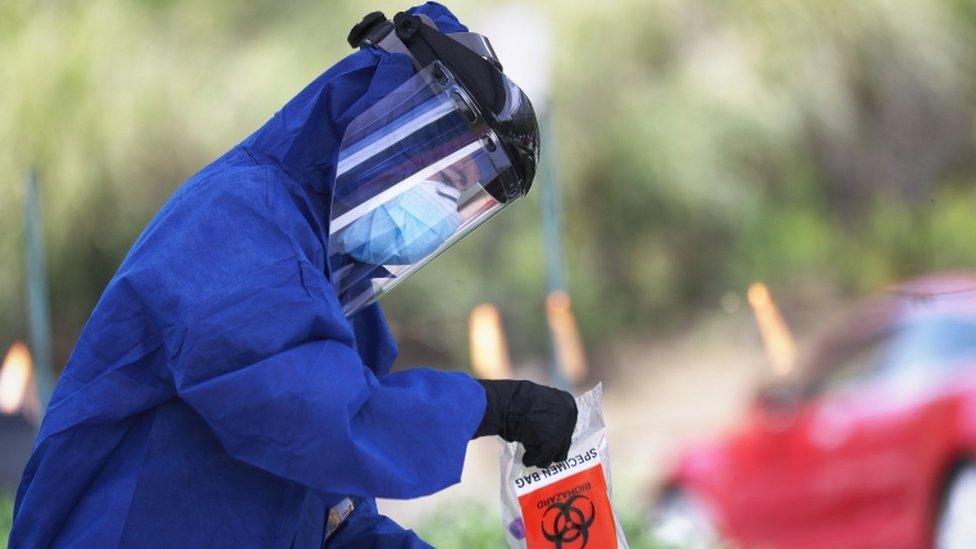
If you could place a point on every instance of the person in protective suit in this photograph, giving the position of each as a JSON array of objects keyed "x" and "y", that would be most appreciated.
[{"x": 232, "y": 386}]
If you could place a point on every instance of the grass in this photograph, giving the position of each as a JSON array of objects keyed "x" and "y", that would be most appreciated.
[{"x": 6, "y": 517}]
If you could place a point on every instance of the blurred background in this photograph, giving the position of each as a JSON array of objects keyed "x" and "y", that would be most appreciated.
[{"x": 824, "y": 148}]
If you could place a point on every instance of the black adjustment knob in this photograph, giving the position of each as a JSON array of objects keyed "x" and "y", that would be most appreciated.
[
  {"x": 406, "y": 26},
  {"x": 360, "y": 31}
]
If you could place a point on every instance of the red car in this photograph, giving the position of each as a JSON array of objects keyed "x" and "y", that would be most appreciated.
[{"x": 873, "y": 444}]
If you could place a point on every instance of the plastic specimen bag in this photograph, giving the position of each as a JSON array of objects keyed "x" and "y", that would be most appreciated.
[{"x": 568, "y": 504}]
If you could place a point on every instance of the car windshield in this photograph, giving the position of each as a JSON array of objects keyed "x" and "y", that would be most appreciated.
[{"x": 922, "y": 349}]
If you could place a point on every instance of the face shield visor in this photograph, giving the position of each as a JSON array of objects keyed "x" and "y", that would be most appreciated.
[{"x": 415, "y": 173}]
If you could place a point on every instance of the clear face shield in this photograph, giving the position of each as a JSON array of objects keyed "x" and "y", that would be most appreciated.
[{"x": 416, "y": 173}]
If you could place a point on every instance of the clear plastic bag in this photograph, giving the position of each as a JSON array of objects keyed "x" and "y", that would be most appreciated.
[{"x": 568, "y": 504}]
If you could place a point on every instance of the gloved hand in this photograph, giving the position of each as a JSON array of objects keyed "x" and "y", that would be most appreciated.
[{"x": 540, "y": 417}]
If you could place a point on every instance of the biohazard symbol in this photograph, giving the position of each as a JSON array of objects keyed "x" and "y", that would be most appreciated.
[{"x": 569, "y": 521}]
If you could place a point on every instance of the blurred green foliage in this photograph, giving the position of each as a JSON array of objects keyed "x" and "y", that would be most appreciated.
[
  {"x": 700, "y": 145},
  {"x": 468, "y": 525},
  {"x": 6, "y": 517}
]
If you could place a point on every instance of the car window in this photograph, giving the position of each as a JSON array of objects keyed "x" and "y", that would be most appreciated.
[
  {"x": 854, "y": 365},
  {"x": 932, "y": 346},
  {"x": 923, "y": 350}
]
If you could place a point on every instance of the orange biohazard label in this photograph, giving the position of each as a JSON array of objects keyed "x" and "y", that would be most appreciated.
[{"x": 571, "y": 513}]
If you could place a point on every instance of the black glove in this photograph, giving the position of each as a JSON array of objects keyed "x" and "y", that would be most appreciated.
[{"x": 540, "y": 417}]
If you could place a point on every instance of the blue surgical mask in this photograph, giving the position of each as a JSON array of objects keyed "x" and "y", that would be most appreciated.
[{"x": 404, "y": 229}]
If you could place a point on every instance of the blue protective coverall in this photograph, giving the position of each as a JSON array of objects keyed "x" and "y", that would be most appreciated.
[{"x": 218, "y": 396}]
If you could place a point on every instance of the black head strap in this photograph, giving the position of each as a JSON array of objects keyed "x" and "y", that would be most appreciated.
[
  {"x": 375, "y": 30},
  {"x": 418, "y": 37},
  {"x": 481, "y": 77}
]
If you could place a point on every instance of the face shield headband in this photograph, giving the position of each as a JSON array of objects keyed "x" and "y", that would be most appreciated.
[{"x": 428, "y": 163}]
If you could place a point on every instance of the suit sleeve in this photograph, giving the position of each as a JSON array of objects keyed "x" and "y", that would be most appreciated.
[{"x": 268, "y": 359}]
